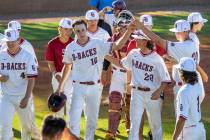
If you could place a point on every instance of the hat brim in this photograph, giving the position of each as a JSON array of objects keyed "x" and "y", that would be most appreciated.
[
  {"x": 205, "y": 20},
  {"x": 140, "y": 37},
  {"x": 174, "y": 30},
  {"x": 6, "y": 39}
]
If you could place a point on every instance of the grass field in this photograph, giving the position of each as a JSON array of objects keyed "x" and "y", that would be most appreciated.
[{"x": 40, "y": 33}]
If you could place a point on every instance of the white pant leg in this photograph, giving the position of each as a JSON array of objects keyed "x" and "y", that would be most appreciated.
[
  {"x": 77, "y": 104},
  {"x": 7, "y": 111},
  {"x": 153, "y": 109},
  {"x": 92, "y": 105},
  {"x": 137, "y": 107},
  {"x": 175, "y": 91},
  {"x": 27, "y": 119},
  {"x": 193, "y": 133}
]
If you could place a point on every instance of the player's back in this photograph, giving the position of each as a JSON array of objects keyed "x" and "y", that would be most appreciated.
[
  {"x": 99, "y": 34},
  {"x": 193, "y": 95}
]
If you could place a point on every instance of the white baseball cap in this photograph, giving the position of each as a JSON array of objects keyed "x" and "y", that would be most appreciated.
[
  {"x": 11, "y": 35},
  {"x": 92, "y": 15},
  {"x": 14, "y": 25},
  {"x": 66, "y": 23},
  {"x": 187, "y": 64},
  {"x": 180, "y": 26},
  {"x": 139, "y": 34},
  {"x": 146, "y": 19},
  {"x": 196, "y": 17}
]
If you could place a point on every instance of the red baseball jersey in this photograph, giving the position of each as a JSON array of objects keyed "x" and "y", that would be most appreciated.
[{"x": 55, "y": 52}]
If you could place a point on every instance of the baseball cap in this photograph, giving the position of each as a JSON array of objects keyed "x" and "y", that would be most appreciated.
[
  {"x": 146, "y": 19},
  {"x": 196, "y": 17},
  {"x": 139, "y": 34},
  {"x": 65, "y": 23},
  {"x": 10, "y": 35},
  {"x": 92, "y": 15},
  {"x": 187, "y": 64},
  {"x": 14, "y": 25},
  {"x": 180, "y": 26}
]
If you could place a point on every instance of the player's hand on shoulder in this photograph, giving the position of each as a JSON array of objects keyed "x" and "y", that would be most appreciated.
[
  {"x": 24, "y": 102},
  {"x": 4, "y": 78},
  {"x": 156, "y": 94}
]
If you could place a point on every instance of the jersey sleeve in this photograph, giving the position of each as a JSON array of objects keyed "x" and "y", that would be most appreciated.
[
  {"x": 163, "y": 71},
  {"x": 49, "y": 54},
  {"x": 31, "y": 67},
  {"x": 194, "y": 38},
  {"x": 127, "y": 62},
  {"x": 31, "y": 49},
  {"x": 183, "y": 104},
  {"x": 67, "y": 58},
  {"x": 173, "y": 49},
  {"x": 105, "y": 47}
]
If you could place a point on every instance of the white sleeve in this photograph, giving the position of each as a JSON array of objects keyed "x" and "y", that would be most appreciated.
[
  {"x": 183, "y": 104},
  {"x": 174, "y": 49},
  {"x": 31, "y": 50},
  {"x": 105, "y": 47},
  {"x": 67, "y": 58},
  {"x": 127, "y": 62},
  {"x": 31, "y": 67},
  {"x": 194, "y": 38},
  {"x": 106, "y": 36},
  {"x": 163, "y": 72}
]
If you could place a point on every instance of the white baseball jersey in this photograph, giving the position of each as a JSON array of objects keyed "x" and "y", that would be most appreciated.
[
  {"x": 195, "y": 39},
  {"x": 99, "y": 34},
  {"x": 1, "y": 36},
  {"x": 18, "y": 67},
  {"x": 177, "y": 50},
  {"x": 147, "y": 70},
  {"x": 86, "y": 59},
  {"x": 189, "y": 100},
  {"x": 110, "y": 19}
]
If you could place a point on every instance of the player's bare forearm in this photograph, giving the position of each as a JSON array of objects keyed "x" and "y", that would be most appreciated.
[
  {"x": 114, "y": 61},
  {"x": 203, "y": 74},
  {"x": 30, "y": 87},
  {"x": 178, "y": 128},
  {"x": 51, "y": 66},
  {"x": 66, "y": 72},
  {"x": 156, "y": 94},
  {"x": 155, "y": 38}
]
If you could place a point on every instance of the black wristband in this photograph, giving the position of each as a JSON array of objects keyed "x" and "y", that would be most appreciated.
[{"x": 106, "y": 65}]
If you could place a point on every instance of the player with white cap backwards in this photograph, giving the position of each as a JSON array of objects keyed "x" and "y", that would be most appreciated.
[
  {"x": 54, "y": 55},
  {"x": 189, "y": 99},
  {"x": 17, "y": 75},
  {"x": 196, "y": 22},
  {"x": 149, "y": 77},
  {"x": 85, "y": 56},
  {"x": 184, "y": 48}
]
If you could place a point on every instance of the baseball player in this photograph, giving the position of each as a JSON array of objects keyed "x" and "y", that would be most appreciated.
[
  {"x": 54, "y": 55},
  {"x": 1, "y": 36},
  {"x": 149, "y": 78},
  {"x": 17, "y": 75},
  {"x": 189, "y": 99},
  {"x": 184, "y": 48},
  {"x": 24, "y": 44},
  {"x": 93, "y": 30},
  {"x": 85, "y": 56},
  {"x": 117, "y": 88},
  {"x": 55, "y": 128}
]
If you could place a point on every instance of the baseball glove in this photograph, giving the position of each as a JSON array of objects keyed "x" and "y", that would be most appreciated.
[{"x": 56, "y": 101}]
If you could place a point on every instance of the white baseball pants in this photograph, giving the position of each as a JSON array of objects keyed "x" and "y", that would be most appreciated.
[
  {"x": 9, "y": 104},
  {"x": 196, "y": 132},
  {"x": 141, "y": 101},
  {"x": 85, "y": 97}
]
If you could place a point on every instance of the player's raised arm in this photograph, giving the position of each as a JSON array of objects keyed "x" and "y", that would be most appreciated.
[
  {"x": 121, "y": 42},
  {"x": 155, "y": 38}
]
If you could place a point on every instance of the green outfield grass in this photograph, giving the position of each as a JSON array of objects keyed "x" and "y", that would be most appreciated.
[{"x": 40, "y": 33}]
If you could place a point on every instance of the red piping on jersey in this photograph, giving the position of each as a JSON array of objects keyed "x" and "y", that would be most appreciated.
[
  {"x": 143, "y": 54},
  {"x": 13, "y": 55},
  {"x": 82, "y": 45},
  {"x": 21, "y": 41}
]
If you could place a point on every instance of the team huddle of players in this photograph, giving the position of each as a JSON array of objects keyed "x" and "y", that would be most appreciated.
[{"x": 106, "y": 44}]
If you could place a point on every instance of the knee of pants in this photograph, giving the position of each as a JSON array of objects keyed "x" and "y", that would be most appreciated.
[
  {"x": 115, "y": 99},
  {"x": 6, "y": 132}
]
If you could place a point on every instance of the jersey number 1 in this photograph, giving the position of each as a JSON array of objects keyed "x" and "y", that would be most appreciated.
[
  {"x": 198, "y": 103},
  {"x": 93, "y": 60}
]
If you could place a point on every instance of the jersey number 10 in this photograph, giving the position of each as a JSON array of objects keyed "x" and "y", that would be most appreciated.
[{"x": 93, "y": 60}]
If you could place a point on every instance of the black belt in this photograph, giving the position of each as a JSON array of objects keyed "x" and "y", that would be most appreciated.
[
  {"x": 88, "y": 82},
  {"x": 141, "y": 88}
]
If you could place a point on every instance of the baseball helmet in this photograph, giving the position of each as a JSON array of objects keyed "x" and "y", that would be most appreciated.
[
  {"x": 125, "y": 17},
  {"x": 56, "y": 101},
  {"x": 119, "y": 5}
]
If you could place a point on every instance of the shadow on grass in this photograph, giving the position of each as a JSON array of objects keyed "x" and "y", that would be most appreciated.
[{"x": 17, "y": 133}]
